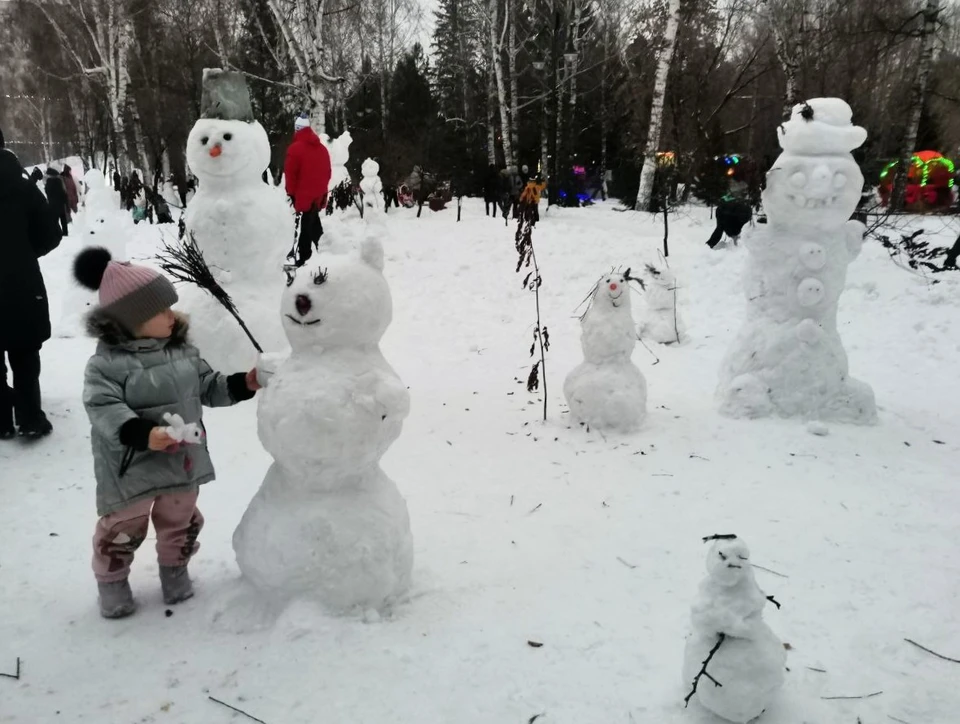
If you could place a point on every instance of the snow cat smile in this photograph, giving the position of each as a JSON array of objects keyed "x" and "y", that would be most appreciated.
[
  {"x": 304, "y": 323},
  {"x": 803, "y": 202}
]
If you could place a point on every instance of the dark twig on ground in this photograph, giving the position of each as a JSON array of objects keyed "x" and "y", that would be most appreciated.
[
  {"x": 846, "y": 698},
  {"x": 930, "y": 651},
  {"x": 703, "y": 671},
  {"x": 185, "y": 263},
  {"x": 15, "y": 676},
  {"x": 239, "y": 711}
]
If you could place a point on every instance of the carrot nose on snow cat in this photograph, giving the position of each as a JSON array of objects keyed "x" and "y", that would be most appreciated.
[{"x": 216, "y": 150}]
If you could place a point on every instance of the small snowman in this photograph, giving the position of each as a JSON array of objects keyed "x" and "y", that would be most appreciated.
[
  {"x": 339, "y": 149},
  {"x": 661, "y": 320},
  {"x": 788, "y": 358},
  {"x": 607, "y": 390},
  {"x": 371, "y": 186},
  {"x": 733, "y": 661},
  {"x": 327, "y": 524}
]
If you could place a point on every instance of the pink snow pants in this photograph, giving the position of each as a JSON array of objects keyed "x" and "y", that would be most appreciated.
[{"x": 176, "y": 520}]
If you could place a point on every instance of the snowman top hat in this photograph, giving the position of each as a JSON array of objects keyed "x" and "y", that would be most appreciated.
[
  {"x": 225, "y": 96},
  {"x": 820, "y": 127}
]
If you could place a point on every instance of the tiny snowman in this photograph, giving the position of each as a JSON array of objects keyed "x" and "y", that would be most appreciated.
[
  {"x": 371, "y": 186},
  {"x": 339, "y": 149},
  {"x": 327, "y": 525},
  {"x": 733, "y": 661},
  {"x": 606, "y": 390},
  {"x": 660, "y": 320}
]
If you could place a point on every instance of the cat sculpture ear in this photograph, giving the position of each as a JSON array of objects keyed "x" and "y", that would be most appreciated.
[{"x": 371, "y": 251}]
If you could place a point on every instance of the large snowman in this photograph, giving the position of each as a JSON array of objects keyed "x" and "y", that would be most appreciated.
[
  {"x": 327, "y": 524},
  {"x": 788, "y": 359},
  {"x": 606, "y": 390},
  {"x": 742, "y": 658},
  {"x": 243, "y": 226}
]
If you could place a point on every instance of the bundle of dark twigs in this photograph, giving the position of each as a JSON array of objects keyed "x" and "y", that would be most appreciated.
[{"x": 185, "y": 263}]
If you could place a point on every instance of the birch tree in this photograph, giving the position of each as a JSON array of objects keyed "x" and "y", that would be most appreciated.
[
  {"x": 917, "y": 98},
  {"x": 664, "y": 61},
  {"x": 497, "y": 35},
  {"x": 301, "y": 24}
]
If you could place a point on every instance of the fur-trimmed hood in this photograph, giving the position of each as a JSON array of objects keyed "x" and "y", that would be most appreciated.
[{"x": 106, "y": 329}]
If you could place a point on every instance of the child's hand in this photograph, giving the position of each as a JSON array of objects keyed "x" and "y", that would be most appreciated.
[
  {"x": 251, "y": 379},
  {"x": 160, "y": 440}
]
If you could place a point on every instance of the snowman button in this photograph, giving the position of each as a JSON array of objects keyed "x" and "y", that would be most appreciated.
[
  {"x": 813, "y": 256},
  {"x": 810, "y": 292}
]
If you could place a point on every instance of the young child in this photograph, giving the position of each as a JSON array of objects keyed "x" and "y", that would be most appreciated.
[{"x": 144, "y": 367}]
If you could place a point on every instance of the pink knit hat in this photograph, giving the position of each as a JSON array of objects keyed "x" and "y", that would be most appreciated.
[{"x": 128, "y": 293}]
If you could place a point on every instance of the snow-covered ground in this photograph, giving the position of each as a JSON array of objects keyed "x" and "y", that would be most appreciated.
[{"x": 526, "y": 532}]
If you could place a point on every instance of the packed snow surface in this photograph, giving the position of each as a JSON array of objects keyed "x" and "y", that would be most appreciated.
[{"x": 589, "y": 544}]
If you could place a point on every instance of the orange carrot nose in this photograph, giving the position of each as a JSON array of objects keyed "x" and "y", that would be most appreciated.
[{"x": 216, "y": 151}]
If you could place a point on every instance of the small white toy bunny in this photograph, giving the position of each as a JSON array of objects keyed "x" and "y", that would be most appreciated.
[{"x": 188, "y": 433}]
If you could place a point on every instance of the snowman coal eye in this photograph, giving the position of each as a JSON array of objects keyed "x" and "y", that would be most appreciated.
[
  {"x": 839, "y": 180},
  {"x": 742, "y": 558},
  {"x": 722, "y": 557},
  {"x": 799, "y": 179},
  {"x": 204, "y": 140},
  {"x": 227, "y": 136}
]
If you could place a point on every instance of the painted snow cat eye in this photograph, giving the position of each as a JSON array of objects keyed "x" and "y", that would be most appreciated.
[{"x": 320, "y": 276}]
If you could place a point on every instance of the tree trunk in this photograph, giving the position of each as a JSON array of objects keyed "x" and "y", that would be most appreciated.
[
  {"x": 491, "y": 120},
  {"x": 496, "y": 46},
  {"x": 918, "y": 96},
  {"x": 512, "y": 51},
  {"x": 664, "y": 60}
]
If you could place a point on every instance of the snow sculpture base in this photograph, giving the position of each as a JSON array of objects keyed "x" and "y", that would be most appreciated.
[
  {"x": 751, "y": 672},
  {"x": 346, "y": 549},
  {"x": 788, "y": 359},
  {"x": 327, "y": 524},
  {"x": 606, "y": 390}
]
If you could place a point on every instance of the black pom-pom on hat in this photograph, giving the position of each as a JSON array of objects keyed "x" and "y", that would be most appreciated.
[{"x": 89, "y": 266}]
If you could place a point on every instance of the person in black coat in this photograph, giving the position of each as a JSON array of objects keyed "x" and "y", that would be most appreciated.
[
  {"x": 491, "y": 191},
  {"x": 57, "y": 198},
  {"x": 30, "y": 231}
]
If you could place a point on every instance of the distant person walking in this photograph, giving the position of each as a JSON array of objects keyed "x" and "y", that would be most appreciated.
[
  {"x": 307, "y": 172},
  {"x": 57, "y": 198},
  {"x": 73, "y": 196},
  {"x": 30, "y": 230},
  {"x": 491, "y": 191}
]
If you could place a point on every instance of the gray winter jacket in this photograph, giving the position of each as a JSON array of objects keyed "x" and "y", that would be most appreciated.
[{"x": 128, "y": 385}]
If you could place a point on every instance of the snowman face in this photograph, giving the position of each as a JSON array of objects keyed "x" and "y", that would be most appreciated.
[
  {"x": 227, "y": 149},
  {"x": 336, "y": 301},
  {"x": 818, "y": 191},
  {"x": 612, "y": 291},
  {"x": 94, "y": 179},
  {"x": 728, "y": 562}
]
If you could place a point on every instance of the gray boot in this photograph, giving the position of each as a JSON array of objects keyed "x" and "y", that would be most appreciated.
[
  {"x": 176, "y": 584},
  {"x": 116, "y": 599}
]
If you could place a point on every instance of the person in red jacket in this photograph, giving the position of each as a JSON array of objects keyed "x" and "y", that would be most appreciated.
[{"x": 307, "y": 172}]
